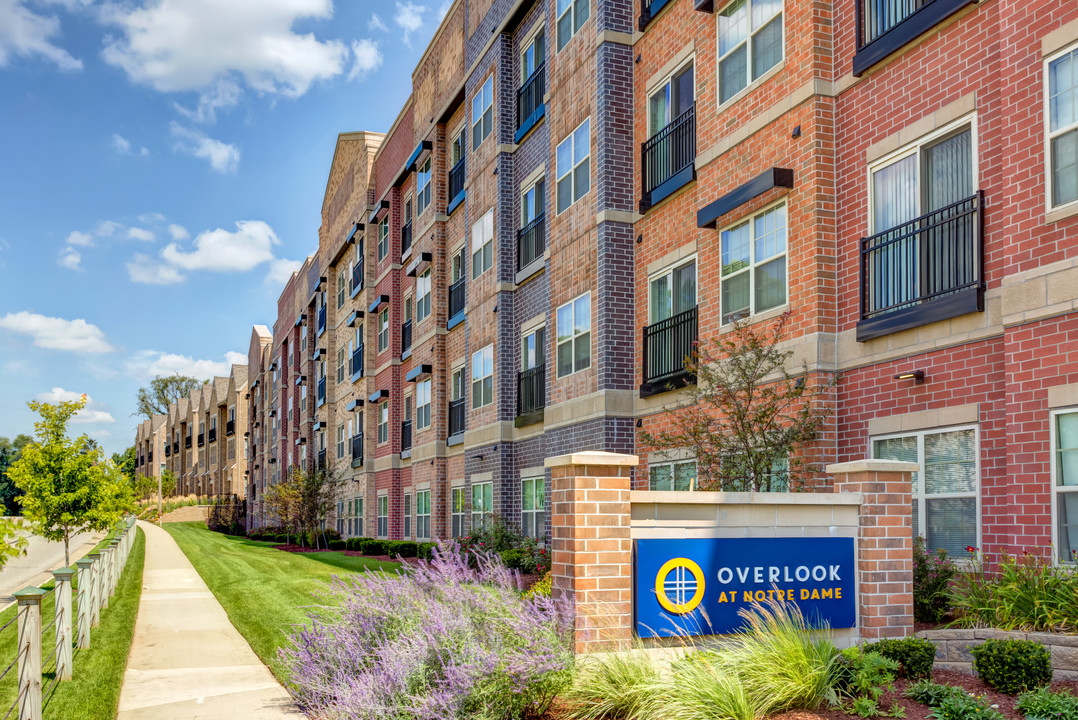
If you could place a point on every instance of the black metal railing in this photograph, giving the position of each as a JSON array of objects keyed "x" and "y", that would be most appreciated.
[
  {"x": 531, "y": 389},
  {"x": 531, "y": 242},
  {"x": 667, "y": 344},
  {"x": 168, "y": 451},
  {"x": 406, "y": 237},
  {"x": 212, "y": 435},
  {"x": 406, "y": 435},
  {"x": 357, "y": 361},
  {"x": 357, "y": 277},
  {"x": 925, "y": 259},
  {"x": 321, "y": 390},
  {"x": 406, "y": 336},
  {"x": 149, "y": 458},
  {"x": 876, "y": 17},
  {"x": 201, "y": 439},
  {"x": 230, "y": 427},
  {"x": 456, "y": 297},
  {"x": 456, "y": 180},
  {"x": 669, "y": 151},
  {"x": 186, "y": 443},
  {"x": 321, "y": 319},
  {"x": 357, "y": 447},
  {"x": 530, "y": 95},
  {"x": 457, "y": 413}
]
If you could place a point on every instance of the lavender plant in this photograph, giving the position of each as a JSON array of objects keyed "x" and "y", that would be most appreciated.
[{"x": 440, "y": 641}]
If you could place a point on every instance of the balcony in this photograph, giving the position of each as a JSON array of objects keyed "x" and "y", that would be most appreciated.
[
  {"x": 357, "y": 363},
  {"x": 406, "y": 339},
  {"x": 357, "y": 279},
  {"x": 406, "y": 439},
  {"x": 531, "y": 395},
  {"x": 457, "y": 414},
  {"x": 321, "y": 391},
  {"x": 928, "y": 269},
  {"x": 456, "y": 303},
  {"x": 667, "y": 344},
  {"x": 321, "y": 460},
  {"x": 531, "y": 242},
  {"x": 186, "y": 443},
  {"x": 321, "y": 321},
  {"x": 649, "y": 9},
  {"x": 149, "y": 458},
  {"x": 201, "y": 440},
  {"x": 456, "y": 186},
  {"x": 230, "y": 428},
  {"x": 357, "y": 450},
  {"x": 530, "y": 107},
  {"x": 212, "y": 435},
  {"x": 884, "y": 26},
  {"x": 668, "y": 159},
  {"x": 168, "y": 451},
  {"x": 176, "y": 446},
  {"x": 406, "y": 238}
]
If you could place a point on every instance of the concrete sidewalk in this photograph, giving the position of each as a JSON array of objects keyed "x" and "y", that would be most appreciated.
[{"x": 187, "y": 660}]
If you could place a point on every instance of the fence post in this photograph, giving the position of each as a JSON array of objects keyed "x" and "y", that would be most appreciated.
[
  {"x": 64, "y": 655},
  {"x": 103, "y": 578},
  {"x": 94, "y": 592},
  {"x": 115, "y": 575},
  {"x": 85, "y": 567},
  {"x": 29, "y": 657}
]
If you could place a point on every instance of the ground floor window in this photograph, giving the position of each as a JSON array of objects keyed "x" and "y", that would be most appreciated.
[
  {"x": 407, "y": 517},
  {"x": 945, "y": 488},
  {"x": 533, "y": 507},
  {"x": 422, "y": 515},
  {"x": 482, "y": 505},
  {"x": 1066, "y": 484},
  {"x": 457, "y": 510},
  {"x": 356, "y": 522},
  {"x": 340, "y": 518},
  {"x": 679, "y": 475},
  {"x": 383, "y": 516}
]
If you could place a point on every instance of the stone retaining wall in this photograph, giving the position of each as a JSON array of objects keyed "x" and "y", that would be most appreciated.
[{"x": 953, "y": 648}]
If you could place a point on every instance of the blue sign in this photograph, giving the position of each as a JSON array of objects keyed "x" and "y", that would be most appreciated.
[{"x": 697, "y": 587}]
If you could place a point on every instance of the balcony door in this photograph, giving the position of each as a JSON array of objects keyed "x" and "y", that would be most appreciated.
[
  {"x": 532, "y": 355},
  {"x": 670, "y": 101},
  {"x": 671, "y": 294}
]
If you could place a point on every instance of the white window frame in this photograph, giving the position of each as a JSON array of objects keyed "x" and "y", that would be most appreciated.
[
  {"x": 383, "y": 422},
  {"x": 342, "y": 361},
  {"x": 672, "y": 464},
  {"x": 481, "y": 518},
  {"x": 572, "y": 339},
  {"x": 458, "y": 511},
  {"x": 666, "y": 83},
  {"x": 1057, "y": 490},
  {"x": 302, "y": 341},
  {"x": 383, "y": 330},
  {"x": 422, "y": 515},
  {"x": 747, "y": 42},
  {"x": 383, "y": 517},
  {"x": 383, "y": 238},
  {"x": 422, "y": 404},
  {"x": 481, "y": 356},
  {"x": 406, "y": 516},
  {"x": 483, "y": 112},
  {"x": 537, "y": 483},
  {"x": 342, "y": 279},
  {"x": 1049, "y": 135},
  {"x": 340, "y": 441},
  {"x": 483, "y": 244},
  {"x": 575, "y": 21},
  {"x": 753, "y": 263},
  {"x": 423, "y": 298},
  {"x": 529, "y": 45},
  {"x": 669, "y": 271},
  {"x": 357, "y": 515},
  {"x": 570, "y": 174},
  {"x": 423, "y": 187},
  {"x": 458, "y": 144}
]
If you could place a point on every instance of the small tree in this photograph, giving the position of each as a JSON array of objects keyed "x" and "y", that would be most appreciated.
[
  {"x": 145, "y": 486},
  {"x": 303, "y": 500},
  {"x": 67, "y": 486},
  {"x": 9, "y": 453},
  {"x": 747, "y": 417},
  {"x": 168, "y": 483},
  {"x": 125, "y": 461},
  {"x": 163, "y": 391}
]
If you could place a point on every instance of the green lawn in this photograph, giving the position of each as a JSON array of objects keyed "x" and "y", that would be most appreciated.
[
  {"x": 94, "y": 690},
  {"x": 263, "y": 590}
]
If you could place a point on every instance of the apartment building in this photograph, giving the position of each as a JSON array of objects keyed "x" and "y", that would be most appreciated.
[
  {"x": 150, "y": 440},
  {"x": 903, "y": 180}
]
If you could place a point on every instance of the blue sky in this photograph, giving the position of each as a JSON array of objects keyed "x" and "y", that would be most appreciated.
[{"x": 162, "y": 168}]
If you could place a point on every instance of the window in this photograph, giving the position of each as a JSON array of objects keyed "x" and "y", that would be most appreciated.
[
  {"x": 383, "y": 516},
  {"x": 1062, "y": 150},
  {"x": 672, "y": 291},
  {"x": 532, "y": 202},
  {"x": 533, "y": 352},
  {"x": 532, "y": 57},
  {"x": 232, "y": 449},
  {"x": 422, "y": 195},
  {"x": 340, "y": 441},
  {"x": 422, "y": 291},
  {"x": 342, "y": 359},
  {"x": 383, "y": 330},
  {"x": 232, "y": 410},
  {"x": 1065, "y": 442},
  {"x": 574, "y": 335},
  {"x": 483, "y": 113},
  {"x": 482, "y": 505},
  {"x": 422, "y": 404},
  {"x": 571, "y": 17},
  {"x": 302, "y": 341},
  {"x": 750, "y": 43},
  {"x": 357, "y": 516},
  {"x": 483, "y": 377},
  {"x": 383, "y": 423},
  {"x": 483, "y": 244},
  {"x": 673, "y": 98},
  {"x": 458, "y": 265},
  {"x": 383, "y": 238},
  {"x": 340, "y": 516},
  {"x": 574, "y": 166},
  {"x": 754, "y": 265},
  {"x": 456, "y": 150},
  {"x": 340, "y": 289},
  {"x": 533, "y": 507},
  {"x": 406, "y": 515},
  {"x": 680, "y": 475},
  {"x": 422, "y": 515},
  {"x": 945, "y": 488},
  {"x": 457, "y": 511}
]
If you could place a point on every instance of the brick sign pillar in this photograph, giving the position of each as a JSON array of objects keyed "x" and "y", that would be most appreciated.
[
  {"x": 591, "y": 552},
  {"x": 884, "y": 544}
]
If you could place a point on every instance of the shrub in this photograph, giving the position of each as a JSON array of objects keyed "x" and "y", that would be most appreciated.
[
  {"x": 932, "y": 694},
  {"x": 932, "y": 574},
  {"x": 425, "y": 551},
  {"x": 1044, "y": 704},
  {"x": 404, "y": 548},
  {"x": 1027, "y": 593},
  {"x": 337, "y": 544},
  {"x": 370, "y": 546},
  {"x": 915, "y": 656},
  {"x": 616, "y": 685},
  {"x": 703, "y": 689},
  {"x": 1012, "y": 666},
  {"x": 960, "y": 706},
  {"x": 543, "y": 587},
  {"x": 858, "y": 674},
  {"x": 525, "y": 554},
  {"x": 441, "y": 641}
]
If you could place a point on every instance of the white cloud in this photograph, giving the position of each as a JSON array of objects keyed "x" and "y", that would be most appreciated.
[
  {"x": 71, "y": 259},
  {"x": 146, "y": 271},
  {"x": 137, "y": 233},
  {"x": 92, "y": 413},
  {"x": 120, "y": 144},
  {"x": 143, "y": 151},
  {"x": 376, "y": 23},
  {"x": 191, "y": 45},
  {"x": 223, "y": 251},
  {"x": 368, "y": 58},
  {"x": 80, "y": 238},
  {"x": 24, "y": 34},
  {"x": 410, "y": 18},
  {"x": 281, "y": 270},
  {"x": 151, "y": 217},
  {"x": 148, "y": 364},
  {"x": 224, "y": 94},
  {"x": 178, "y": 232},
  {"x": 224, "y": 158},
  {"x": 107, "y": 228},
  {"x": 57, "y": 333},
  {"x": 444, "y": 9}
]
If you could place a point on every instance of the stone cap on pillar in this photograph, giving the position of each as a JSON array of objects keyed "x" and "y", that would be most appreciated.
[
  {"x": 29, "y": 593},
  {"x": 871, "y": 466},
  {"x": 94, "y": 555},
  {"x": 592, "y": 457},
  {"x": 84, "y": 562},
  {"x": 63, "y": 573}
]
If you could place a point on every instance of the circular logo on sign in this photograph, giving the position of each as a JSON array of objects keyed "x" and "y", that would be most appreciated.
[{"x": 679, "y": 585}]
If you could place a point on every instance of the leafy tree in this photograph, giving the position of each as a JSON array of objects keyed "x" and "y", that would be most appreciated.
[
  {"x": 12, "y": 542},
  {"x": 125, "y": 462},
  {"x": 163, "y": 391},
  {"x": 145, "y": 486},
  {"x": 748, "y": 418},
  {"x": 168, "y": 483},
  {"x": 67, "y": 486},
  {"x": 9, "y": 453},
  {"x": 303, "y": 500}
]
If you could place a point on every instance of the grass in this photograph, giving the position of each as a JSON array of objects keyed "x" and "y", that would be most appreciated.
[
  {"x": 264, "y": 591},
  {"x": 93, "y": 693}
]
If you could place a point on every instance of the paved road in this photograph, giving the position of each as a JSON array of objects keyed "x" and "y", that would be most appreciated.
[
  {"x": 40, "y": 557},
  {"x": 187, "y": 660}
]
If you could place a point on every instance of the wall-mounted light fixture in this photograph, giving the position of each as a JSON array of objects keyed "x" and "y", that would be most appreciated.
[{"x": 916, "y": 375}]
